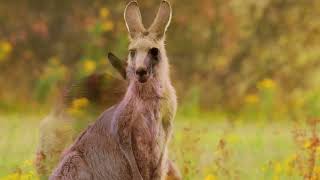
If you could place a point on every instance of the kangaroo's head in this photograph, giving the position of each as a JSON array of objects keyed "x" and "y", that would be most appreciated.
[{"x": 147, "y": 57}]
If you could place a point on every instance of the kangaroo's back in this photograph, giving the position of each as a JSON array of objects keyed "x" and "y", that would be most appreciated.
[
  {"x": 60, "y": 127},
  {"x": 94, "y": 155}
]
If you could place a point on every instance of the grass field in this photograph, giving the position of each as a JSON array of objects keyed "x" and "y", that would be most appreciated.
[{"x": 203, "y": 149}]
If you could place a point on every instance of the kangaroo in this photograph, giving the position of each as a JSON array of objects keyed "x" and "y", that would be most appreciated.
[
  {"x": 129, "y": 140},
  {"x": 58, "y": 128}
]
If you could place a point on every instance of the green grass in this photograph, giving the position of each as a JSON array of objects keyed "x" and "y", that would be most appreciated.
[
  {"x": 248, "y": 148},
  {"x": 244, "y": 150},
  {"x": 18, "y": 141}
]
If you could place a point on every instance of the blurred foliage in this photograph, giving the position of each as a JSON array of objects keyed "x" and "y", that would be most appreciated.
[{"x": 226, "y": 55}]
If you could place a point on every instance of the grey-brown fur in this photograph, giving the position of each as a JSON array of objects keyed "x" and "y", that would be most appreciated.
[{"x": 129, "y": 140}]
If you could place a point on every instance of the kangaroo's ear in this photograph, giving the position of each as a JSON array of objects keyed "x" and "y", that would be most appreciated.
[
  {"x": 132, "y": 17},
  {"x": 162, "y": 20},
  {"x": 118, "y": 64}
]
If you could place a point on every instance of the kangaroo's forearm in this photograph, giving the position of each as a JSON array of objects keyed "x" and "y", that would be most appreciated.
[
  {"x": 126, "y": 148},
  {"x": 124, "y": 131},
  {"x": 167, "y": 126}
]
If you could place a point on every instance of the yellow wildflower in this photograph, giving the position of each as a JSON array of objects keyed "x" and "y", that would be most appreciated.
[
  {"x": 89, "y": 66},
  {"x": 26, "y": 176},
  {"x": 6, "y": 47},
  {"x": 289, "y": 164},
  {"x": 210, "y": 177},
  {"x": 266, "y": 84},
  {"x": 77, "y": 105},
  {"x": 277, "y": 168},
  {"x": 12, "y": 176},
  {"x": 299, "y": 101},
  {"x": 21, "y": 176},
  {"x": 317, "y": 170},
  {"x": 104, "y": 12},
  {"x": 80, "y": 103},
  {"x": 107, "y": 26},
  {"x": 275, "y": 177},
  {"x": 307, "y": 144},
  {"x": 251, "y": 99}
]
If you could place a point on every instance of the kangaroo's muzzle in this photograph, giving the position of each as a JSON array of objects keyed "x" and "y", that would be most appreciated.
[{"x": 142, "y": 74}]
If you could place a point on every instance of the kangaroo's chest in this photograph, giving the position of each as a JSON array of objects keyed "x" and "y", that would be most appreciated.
[{"x": 148, "y": 137}]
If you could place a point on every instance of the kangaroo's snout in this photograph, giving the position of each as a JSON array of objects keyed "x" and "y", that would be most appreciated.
[
  {"x": 141, "y": 71},
  {"x": 142, "y": 74}
]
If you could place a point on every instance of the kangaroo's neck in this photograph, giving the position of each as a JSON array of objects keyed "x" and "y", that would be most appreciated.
[
  {"x": 150, "y": 90},
  {"x": 154, "y": 89}
]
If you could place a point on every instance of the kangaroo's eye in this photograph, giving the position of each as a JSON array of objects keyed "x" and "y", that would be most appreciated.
[
  {"x": 154, "y": 52},
  {"x": 132, "y": 53}
]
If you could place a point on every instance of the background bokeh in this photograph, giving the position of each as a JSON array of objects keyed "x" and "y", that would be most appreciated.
[{"x": 238, "y": 67}]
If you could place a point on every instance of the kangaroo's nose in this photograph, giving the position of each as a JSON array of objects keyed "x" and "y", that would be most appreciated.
[{"x": 141, "y": 71}]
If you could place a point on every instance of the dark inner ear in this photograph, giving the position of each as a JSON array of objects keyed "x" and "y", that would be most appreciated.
[{"x": 118, "y": 64}]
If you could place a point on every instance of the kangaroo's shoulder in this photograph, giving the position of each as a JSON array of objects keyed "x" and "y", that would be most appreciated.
[{"x": 97, "y": 130}]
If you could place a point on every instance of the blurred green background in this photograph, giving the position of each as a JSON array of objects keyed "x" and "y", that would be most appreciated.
[{"x": 239, "y": 66}]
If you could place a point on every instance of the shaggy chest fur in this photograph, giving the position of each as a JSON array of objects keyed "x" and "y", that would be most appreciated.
[
  {"x": 148, "y": 137},
  {"x": 143, "y": 110}
]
